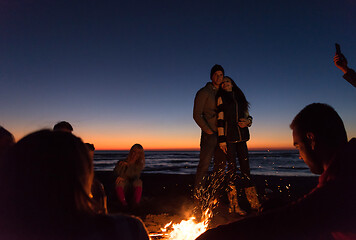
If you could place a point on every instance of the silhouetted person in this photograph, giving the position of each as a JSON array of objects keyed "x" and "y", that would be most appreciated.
[
  {"x": 97, "y": 188},
  {"x": 63, "y": 126},
  {"x": 6, "y": 140},
  {"x": 329, "y": 210},
  {"x": 45, "y": 184},
  {"x": 204, "y": 114},
  {"x": 341, "y": 63}
]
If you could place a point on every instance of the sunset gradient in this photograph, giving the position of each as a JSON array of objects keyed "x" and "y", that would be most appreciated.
[{"x": 126, "y": 72}]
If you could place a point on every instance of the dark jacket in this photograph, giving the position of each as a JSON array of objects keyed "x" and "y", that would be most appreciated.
[
  {"x": 350, "y": 76},
  {"x": 228, "y": 116},
  {"x": 204, "y": 112}
]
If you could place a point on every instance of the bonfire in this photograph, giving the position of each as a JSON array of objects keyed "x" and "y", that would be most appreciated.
[
  {"x": 188, "y": 229},
  {"x": 193, "y": 226}
]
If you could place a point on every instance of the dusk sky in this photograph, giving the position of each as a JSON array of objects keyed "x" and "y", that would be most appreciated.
[{"x": 125, "y": 72}]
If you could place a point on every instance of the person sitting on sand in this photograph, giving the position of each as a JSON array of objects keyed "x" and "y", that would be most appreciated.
[
  {"x": 45, "y": 183},
  {"x": 329, "y": 210},
  {"x": 349, "y": 74},
  {"x": 233, "y": 123},
  {"x": 6, "y": 140},
  {"x": 63, "y": 126},
  {"x": 97, "y": 188},
  {"x": 128, "y": 174}
]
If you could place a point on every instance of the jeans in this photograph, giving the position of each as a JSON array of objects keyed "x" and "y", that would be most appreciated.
[
  {"x": 240, "y": 150},
  {"x": 208, "y": 149}
]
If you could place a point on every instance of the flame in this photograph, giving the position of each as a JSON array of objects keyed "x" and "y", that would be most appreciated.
[
  {"x": 191, "y": 228},
  {"x": 186, "y": 229},
  {"x": 164, "y": 229}
]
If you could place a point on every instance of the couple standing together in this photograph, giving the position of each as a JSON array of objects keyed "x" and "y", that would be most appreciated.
[{"x": 221, "y": 111}]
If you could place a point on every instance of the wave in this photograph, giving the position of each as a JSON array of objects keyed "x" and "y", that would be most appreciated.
[{"x": 286, "y": 163}]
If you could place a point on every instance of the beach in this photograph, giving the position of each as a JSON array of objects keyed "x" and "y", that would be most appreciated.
[{"x": 168, "y": 197}]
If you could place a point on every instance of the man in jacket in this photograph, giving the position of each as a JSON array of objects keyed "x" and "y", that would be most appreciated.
[{"x": 204, "y": 114}]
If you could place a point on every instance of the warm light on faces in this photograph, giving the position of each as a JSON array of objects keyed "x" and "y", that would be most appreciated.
[
  {"x": 226, "y": 85},
  {"x": 306, "y": 152},
  {"x": 135, "y": 154},
  {"x": 217, "y": 78},
  {"x": 300, "y": 145},
  {"x": 91, "y": 155}
]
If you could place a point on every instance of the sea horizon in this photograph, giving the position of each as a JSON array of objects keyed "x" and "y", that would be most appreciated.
[
  {"x": 262, "y": 162},
  {"x": 198, "y": 149}
]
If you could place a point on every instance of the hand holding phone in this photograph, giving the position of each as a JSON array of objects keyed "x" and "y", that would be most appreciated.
[
  {"x": 339, "y": 59},
  {"x": 339, "y": 54}
]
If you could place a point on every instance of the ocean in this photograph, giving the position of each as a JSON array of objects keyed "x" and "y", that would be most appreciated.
[{"x": 276, "y": 163}]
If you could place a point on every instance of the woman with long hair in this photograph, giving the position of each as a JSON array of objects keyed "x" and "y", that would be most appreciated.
[
  {"x": 233, "y": 123},
  {"x": 128, "y": 174},
  {"x": 45, "y": 182}
]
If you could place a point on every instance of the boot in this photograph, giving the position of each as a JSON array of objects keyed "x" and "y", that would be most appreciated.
[
  {"x": 137, "y": 194},
  {"x": 121, "y": 195},
  {"x": 252, "y": 198},
  {"x": 234, "y": 205}
]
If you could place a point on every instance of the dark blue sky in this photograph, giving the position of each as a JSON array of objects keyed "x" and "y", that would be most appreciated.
[{"x": 127, "y": 71}]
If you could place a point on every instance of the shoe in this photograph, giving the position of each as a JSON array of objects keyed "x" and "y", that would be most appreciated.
[
  {"x": 252, "y": 198},
  {"x": 240, "y": 211},
  {"x": 233, "y": 203}
]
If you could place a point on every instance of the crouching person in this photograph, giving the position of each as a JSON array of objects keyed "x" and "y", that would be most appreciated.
[{"x": 128, "y": 183}]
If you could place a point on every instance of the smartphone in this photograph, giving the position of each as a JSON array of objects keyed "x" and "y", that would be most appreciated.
[{"x": 338, "y": 51}]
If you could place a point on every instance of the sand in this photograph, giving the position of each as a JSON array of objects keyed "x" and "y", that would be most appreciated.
[{"x": 168, "y": 197}]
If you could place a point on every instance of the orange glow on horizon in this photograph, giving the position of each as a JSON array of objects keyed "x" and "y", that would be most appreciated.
[
  {"x": 180, "y": 145},
  {"x": 149, "y": 143},
  {"x": 181, "y": 141}
]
